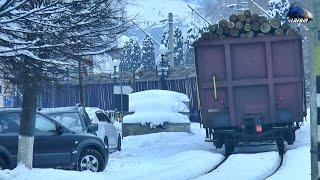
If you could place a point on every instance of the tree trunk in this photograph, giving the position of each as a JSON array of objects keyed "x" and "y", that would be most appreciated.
[
  {"x": 275, "y": 23},
  {"x": 255, "y": 26},
  {"x": 247, "y": 27},
  {"x": 239, "y": 25},
  {"x": 265, "y": 28},
  {"x": 219, "y": 31},
  {"x": 247, "y": 13},
  {"x": 223, "y": 23},
  {"x": 233, "y": 18},
  {"x": 231, "y": 25},
  {"x": 241, "y": 17},
  {"x": 255, "y": 17},
  {"x": 27, "y": 124}
]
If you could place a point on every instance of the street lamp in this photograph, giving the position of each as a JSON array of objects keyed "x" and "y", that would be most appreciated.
[
  {"x": 162, "y": 71},
  {"x": 115, "y": 65}
]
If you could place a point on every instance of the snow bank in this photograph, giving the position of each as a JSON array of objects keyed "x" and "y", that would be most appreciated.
[
  {"x": 161, "y": 100},
  {"x": 246, "y": 167},
  {"x": 23, "y": 173},
  {"x": 296, "y": 165},
  {"x": 157, "y": 107}
]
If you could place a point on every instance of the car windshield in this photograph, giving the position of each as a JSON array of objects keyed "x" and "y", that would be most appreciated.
[{"x": 69, "y": 120}]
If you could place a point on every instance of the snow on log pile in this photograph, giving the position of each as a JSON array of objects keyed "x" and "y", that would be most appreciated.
[
  {"x": 247, "y": 25},
  {"x": 156, "y": 109}
]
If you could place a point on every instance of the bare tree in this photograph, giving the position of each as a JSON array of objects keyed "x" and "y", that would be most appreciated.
[{"x": 42, "y": 40}]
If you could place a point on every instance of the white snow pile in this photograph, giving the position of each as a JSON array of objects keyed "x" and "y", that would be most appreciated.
[{"x": 157, "y": 107}]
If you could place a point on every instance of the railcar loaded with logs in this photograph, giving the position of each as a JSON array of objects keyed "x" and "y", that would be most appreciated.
[{"x": 250, "y": 81}]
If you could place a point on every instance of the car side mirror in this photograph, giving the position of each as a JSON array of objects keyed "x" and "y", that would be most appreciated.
[
  {"x": 59, "y": 129},
  {"x": 93, "y": 127}
]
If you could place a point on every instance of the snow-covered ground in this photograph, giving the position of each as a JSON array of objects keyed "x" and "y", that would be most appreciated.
[
  {"x": 184, "y": 156},
  {"x": 152, "y": 156},
  {"x": 246, "y": 167}
]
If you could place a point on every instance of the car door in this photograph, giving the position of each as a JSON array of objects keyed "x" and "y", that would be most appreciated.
[
  {"x": 110, "y": 129},
  {"x": 51, "y": 149},
  {"x": 10, "y": 123}
]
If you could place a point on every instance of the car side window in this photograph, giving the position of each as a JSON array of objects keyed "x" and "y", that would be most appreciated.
[
  {"x": 43, "y": 124},
  {"x": 102, "y": 117},
  {"x": 10, "y": 122}
]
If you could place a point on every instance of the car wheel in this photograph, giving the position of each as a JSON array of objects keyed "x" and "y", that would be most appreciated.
[
  {"x": 119, "y": 143},
  {"x": 3, "y": 164},
  {"x": 92, "y": 160}
]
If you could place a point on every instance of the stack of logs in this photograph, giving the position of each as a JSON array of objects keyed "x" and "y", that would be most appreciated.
[{"x": 247, "y": 25}]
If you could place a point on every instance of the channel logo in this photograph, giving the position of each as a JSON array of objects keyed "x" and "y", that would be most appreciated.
[{"x": 298, "y": 14}]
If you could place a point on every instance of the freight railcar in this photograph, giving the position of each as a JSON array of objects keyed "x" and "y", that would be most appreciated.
[{"x": 251, "y": 90}]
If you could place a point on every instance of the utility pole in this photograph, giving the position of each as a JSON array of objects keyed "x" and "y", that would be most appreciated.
[
  {"x": 313, "y": 37},
  {"x": 81, "y": 87},
  {"x": 170, "y": 41}
]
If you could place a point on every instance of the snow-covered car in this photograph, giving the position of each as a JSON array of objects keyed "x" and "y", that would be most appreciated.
[{"x": 108, "y": 125}]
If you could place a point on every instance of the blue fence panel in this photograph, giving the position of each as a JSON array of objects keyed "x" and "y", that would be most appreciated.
[{"x": 101, "y": 95}]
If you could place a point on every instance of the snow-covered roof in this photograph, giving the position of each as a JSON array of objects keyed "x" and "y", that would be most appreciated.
[{"x": 59, "y": 110}]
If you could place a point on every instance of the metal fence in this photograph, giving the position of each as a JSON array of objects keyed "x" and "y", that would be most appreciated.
[{"x": 101, "y": 95}]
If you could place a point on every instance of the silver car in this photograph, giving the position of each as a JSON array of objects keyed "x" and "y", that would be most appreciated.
[{"x": 108, "y": 126}]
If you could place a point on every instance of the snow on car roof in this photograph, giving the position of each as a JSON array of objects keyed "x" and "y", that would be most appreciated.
[{"x": 58, "y": 109}]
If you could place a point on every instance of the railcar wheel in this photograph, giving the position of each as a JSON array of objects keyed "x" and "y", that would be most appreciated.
[
  {"x": 280, "y": 145},
  {"x": 218, "y": 143},
  {"x": 229, "y": 147},
  {"x": 291, "y": 137}
]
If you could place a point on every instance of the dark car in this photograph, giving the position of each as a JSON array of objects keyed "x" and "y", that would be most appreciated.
[
  {"x": 55, "y": 146},
  {"x": 75, "y": 118}
]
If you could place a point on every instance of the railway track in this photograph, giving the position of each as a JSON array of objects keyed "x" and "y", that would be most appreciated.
[
  {"x": 279, "y": 166},
  {"x": 218, "y": 165},
  {"x": 226, "y": 158}
]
